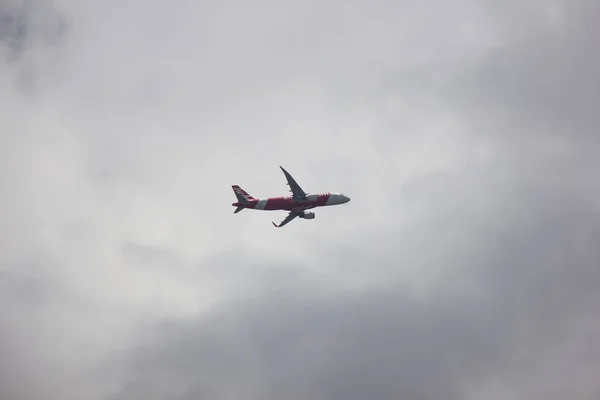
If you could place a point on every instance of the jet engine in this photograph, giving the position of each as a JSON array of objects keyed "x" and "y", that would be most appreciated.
[{"x": 308, "y": 215}]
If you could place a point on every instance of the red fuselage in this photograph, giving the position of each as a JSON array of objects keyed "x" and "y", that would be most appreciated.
[{"x": 288, "y": 204}]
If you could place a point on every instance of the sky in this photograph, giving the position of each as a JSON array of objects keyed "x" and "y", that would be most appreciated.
[{"x": 464, "y": 267}]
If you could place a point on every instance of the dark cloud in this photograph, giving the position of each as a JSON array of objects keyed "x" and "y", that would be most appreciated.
[
  {"x": 13, "y": 27},
  {"x": 543, "y": 82},
  {"x": 514, "y": 282},
  {"x": 30, "y": 21},
  {"x": 511, "y": 247},
  {"x": 27, "y": 26}
]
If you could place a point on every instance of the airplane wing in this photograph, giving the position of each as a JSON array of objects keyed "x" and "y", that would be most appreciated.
[
  {"x": 297, "y": 192},
  {"x": 287, "y": 219}
]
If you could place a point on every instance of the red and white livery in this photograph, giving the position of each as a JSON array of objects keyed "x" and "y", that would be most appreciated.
[{"x": 297, "y": 203}]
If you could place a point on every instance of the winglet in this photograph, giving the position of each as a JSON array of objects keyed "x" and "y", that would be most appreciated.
[{"x": 274, "y": 224}]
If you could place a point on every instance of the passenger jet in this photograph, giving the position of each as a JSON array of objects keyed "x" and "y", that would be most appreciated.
[{"x": 296, "y": 203}]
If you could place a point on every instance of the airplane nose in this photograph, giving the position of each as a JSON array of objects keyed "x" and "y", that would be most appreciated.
[{"x": 345, "y": 199}]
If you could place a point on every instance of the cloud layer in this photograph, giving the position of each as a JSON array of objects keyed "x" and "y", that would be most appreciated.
[{"x": 466, "y": 265}]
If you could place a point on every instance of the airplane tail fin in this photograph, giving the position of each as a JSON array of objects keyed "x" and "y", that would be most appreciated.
[{"x": 241, "y": 194}]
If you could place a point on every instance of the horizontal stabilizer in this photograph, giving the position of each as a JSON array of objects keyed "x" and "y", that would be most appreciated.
[{"x": 237, "y": 210}]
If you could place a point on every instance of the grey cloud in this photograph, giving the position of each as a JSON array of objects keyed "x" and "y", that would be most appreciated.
[
  {"x": 514, "y": 250},
  {"x": 12, "y": 25},
  {"x": 546, "y": 77},
  {"x": 24, "y": 24},
  {"x": 526, "y": 285},
  {"x": 25, "y": 27},
  {"x": 446, "y": 123}
]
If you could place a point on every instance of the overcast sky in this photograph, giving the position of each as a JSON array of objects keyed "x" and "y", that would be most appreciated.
[{"x": 466, "y": 266}]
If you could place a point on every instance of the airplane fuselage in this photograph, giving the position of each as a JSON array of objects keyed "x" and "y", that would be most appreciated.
[{"x": 287, "y": 203}]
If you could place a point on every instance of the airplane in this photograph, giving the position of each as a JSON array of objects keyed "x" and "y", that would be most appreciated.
[{"x": 297, "y": 203}]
